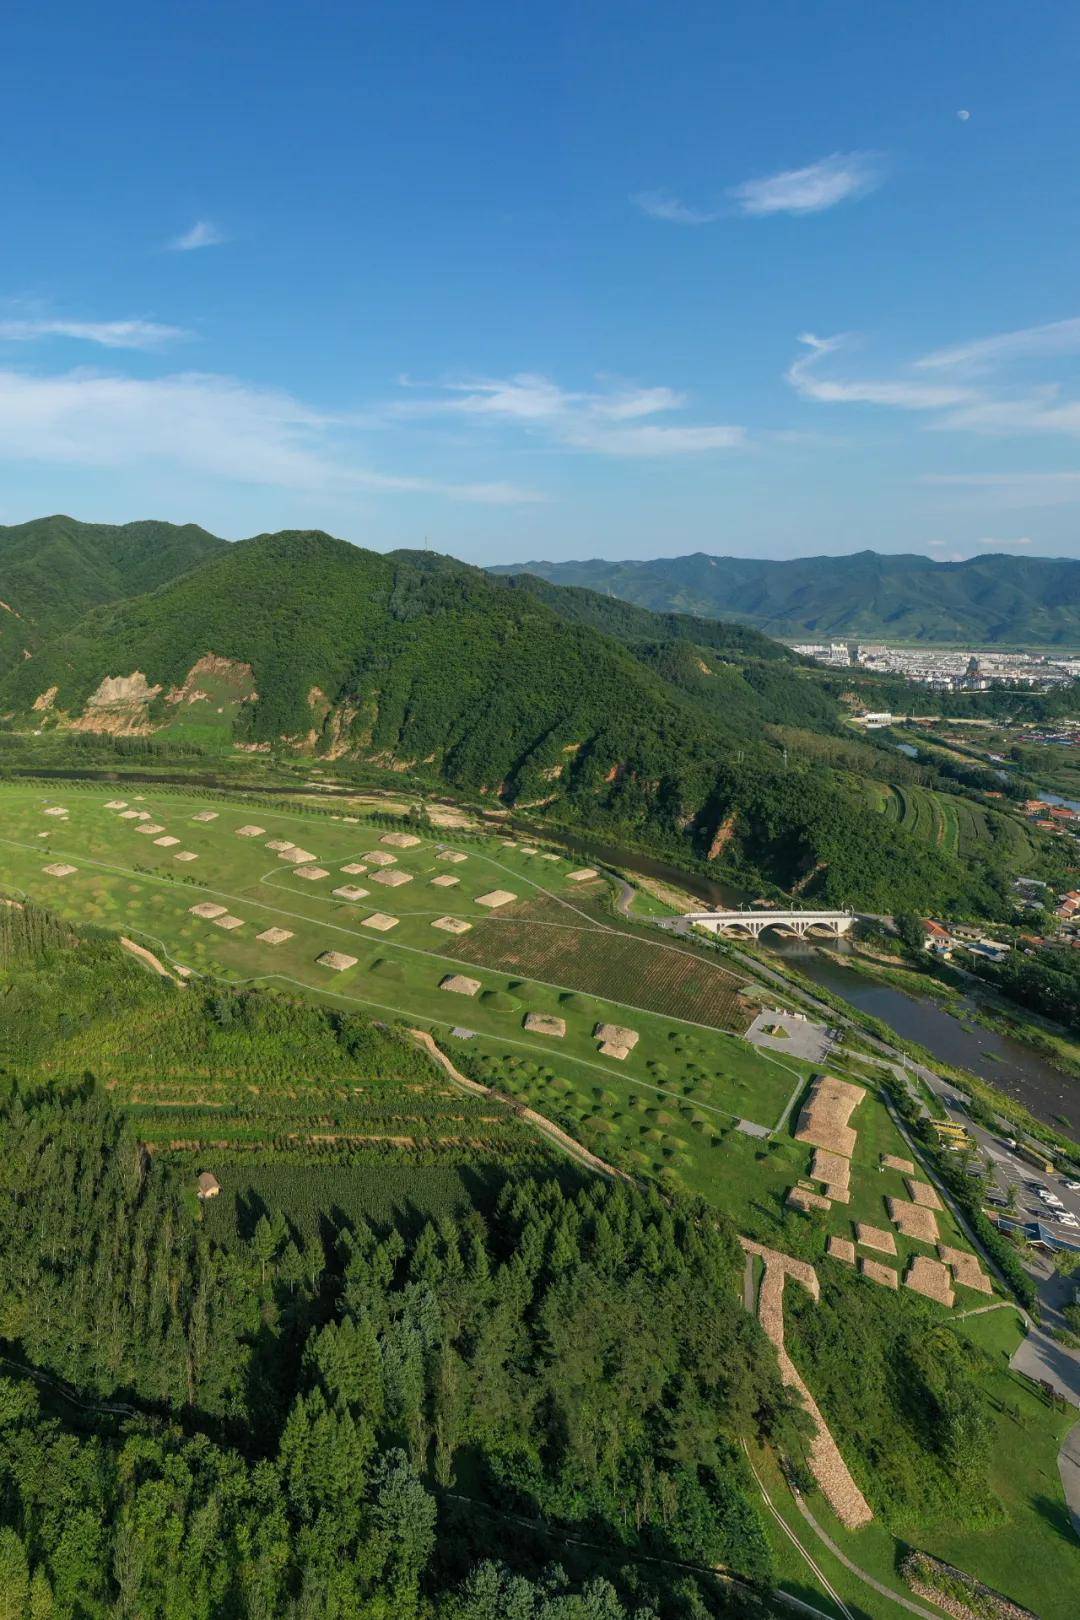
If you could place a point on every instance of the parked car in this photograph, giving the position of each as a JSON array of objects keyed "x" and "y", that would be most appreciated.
[
  {"x": 1073, "y": 1186},
  {"x": 1053, "y": 1201},
  {"x": 1068, "y": 1220}
]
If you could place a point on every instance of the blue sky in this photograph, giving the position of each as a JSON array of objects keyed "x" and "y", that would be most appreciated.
[{"x": 547, "y": 280}]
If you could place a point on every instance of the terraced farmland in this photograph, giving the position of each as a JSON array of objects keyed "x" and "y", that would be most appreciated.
[{"x": 955, "y": 825}]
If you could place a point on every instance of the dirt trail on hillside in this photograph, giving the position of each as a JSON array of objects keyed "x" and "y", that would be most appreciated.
[
  {"x": 562, "y": 1138},
  {"x": 149, "y": 958},
  {"x": 826, "y": 1464}
]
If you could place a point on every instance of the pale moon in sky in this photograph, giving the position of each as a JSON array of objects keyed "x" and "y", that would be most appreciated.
[{"x": 963, "y": 115}]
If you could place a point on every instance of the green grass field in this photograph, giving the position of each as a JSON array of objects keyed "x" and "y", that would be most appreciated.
[{"x": 695, "y": 1072}]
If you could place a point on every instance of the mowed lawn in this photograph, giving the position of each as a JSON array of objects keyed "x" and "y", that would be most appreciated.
[{"x": 125, "y": 880}]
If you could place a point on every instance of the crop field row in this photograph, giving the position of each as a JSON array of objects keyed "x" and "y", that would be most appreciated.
[
  {"x": 954, "y": 824},
  {"x": 620, "y": 966}
]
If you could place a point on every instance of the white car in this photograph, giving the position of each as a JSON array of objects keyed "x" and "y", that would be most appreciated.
[
  {"x": 1073, "y": 1186},
  {"x": 1068, "y": 1220},
  {"x": 1054, "y": 1203}
]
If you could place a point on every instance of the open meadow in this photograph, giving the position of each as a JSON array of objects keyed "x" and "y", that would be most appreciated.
[{"x": 360, "y": 916}]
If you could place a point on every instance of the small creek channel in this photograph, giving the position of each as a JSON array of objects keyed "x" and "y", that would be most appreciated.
[{"x": 1014, "y": 1068}]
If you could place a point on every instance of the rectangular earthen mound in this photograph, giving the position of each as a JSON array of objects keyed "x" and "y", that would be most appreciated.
[
  {"x": 393, "y": 879},
  {"x": 922, "y": 1193},
  {"x": 581, "y": 876},
  {"x": 167, "y": 842},
  {"x": 205, "y": 815},
  {"x": 839, "y": 1195},
  {"x": 185, "y": 855},
  {"x": 823, "y": 1121},
  {"x": 452, "y": 925},
  {"x": 59, "y": 869},
  {"x": 799, "y": 1198},
  {"x": 350, "y": 891},
  {"x": 616, "y": 1035},
  {"x": 296, "y": 856},
  {"x": 381, "y": 923},
  {"x": 444, "y": 881},
  {"x": 966, "y": 1269},
  {"x": 228, "y": 922},
  {"x": 273, "y": 936},
  {"x": 453, "y": 856},
  {"x": 149, "y": 828},
  {"x": 830, "y": 1167},
  {"x": 131, "y": 815},
  {"x": 381, "y": 857},
  {"x": 400, "y": 840},
  {"x": 355, "y": 868},
  {"x": 930, "y": 1278},
  {"x": 913, "y": 1221},
  {"x": 459, "y": 985},
  {"x": 875, "y": 1237},
  {"x": 56, "y": 810},
  {"x": 889, "y": 1161},
  {"x": 545, "y": 1024},
  {"x": 311, "y": 874},
  {"x": 279, "y": 845},
  {"x": 208, "y": 908},
  {"x": 116, "y": 804},
  {"x": 336, "y": 960},
  {"x": 250, "y": 831},
  {"x": 885, "y": 1275},
  {"x": 495, "y": 898},
  {"x": 842, "y": 1249}
]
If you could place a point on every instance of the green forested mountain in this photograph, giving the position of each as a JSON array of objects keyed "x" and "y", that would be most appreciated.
[
  {"x": 53, "y": 569},
  {"x": 419, "y": 662},
  {"x": 989, "y": 600}
]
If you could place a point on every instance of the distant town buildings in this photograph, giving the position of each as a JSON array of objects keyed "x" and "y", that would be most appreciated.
[{"x": 950, "y": 670}]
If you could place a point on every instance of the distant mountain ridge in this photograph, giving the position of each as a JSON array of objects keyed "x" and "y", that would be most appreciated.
[{"x": 996, "y": 600}]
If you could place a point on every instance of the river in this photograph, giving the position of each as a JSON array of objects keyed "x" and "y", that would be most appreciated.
[{"x": 1016, "y": 1069}]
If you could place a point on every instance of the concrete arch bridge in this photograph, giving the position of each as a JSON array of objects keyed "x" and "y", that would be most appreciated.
[{"x": 754, "y": 923}]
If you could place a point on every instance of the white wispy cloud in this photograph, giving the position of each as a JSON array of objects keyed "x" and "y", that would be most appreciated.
[
  {"x": 1030, "y": 342},
  {"x": 135, "y": 334},
  {"x": 1020, "y": 540},
  {"x": 208, "y": 425},
  {"x": 612, "y": 421},
  {"x": 902, "y": 393},
  {"x": 662, "y": 205},
  {"x": 202, "y": 234},
  {"x": 810, "y": 190},
  {"x": 1016, "y": 417}
]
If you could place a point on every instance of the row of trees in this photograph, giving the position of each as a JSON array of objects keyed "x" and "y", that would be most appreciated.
[{"x": 283, "y": 1431}]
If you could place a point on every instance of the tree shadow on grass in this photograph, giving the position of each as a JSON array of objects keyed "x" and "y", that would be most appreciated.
[{"x": 1056, "y": 1514}]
